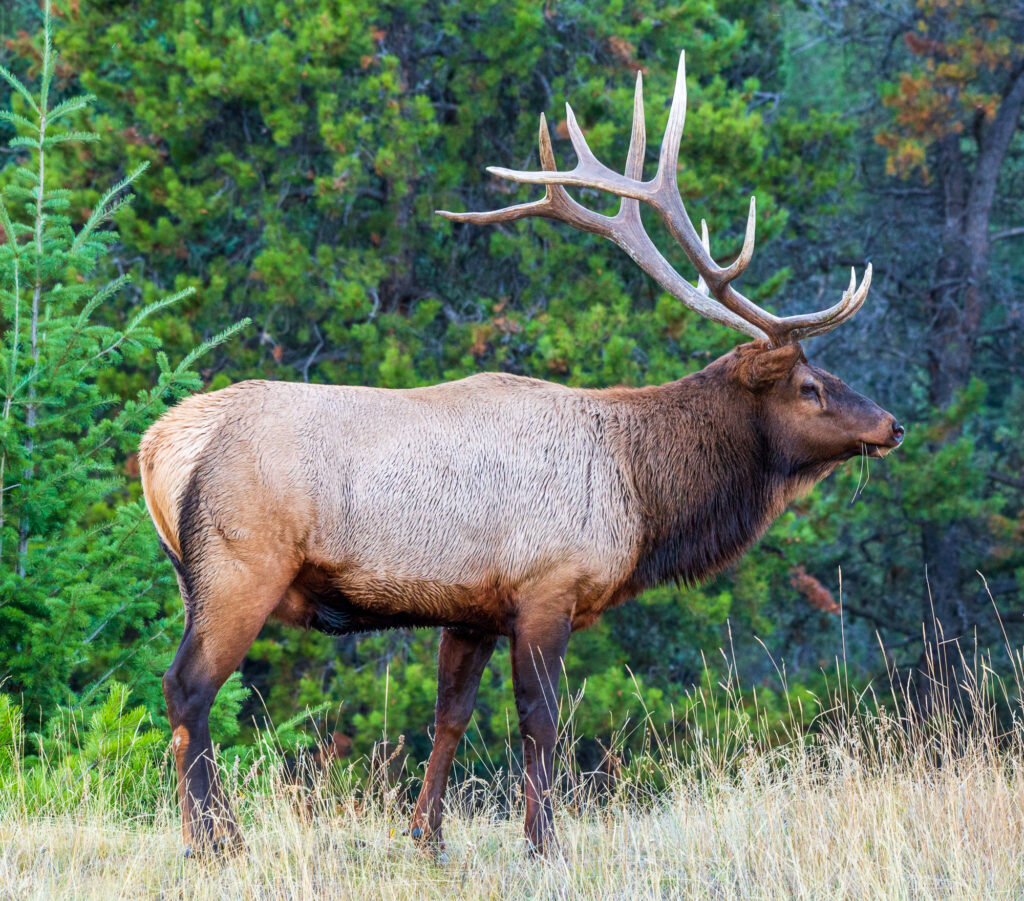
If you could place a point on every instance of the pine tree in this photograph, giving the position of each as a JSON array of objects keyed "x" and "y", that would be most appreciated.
[{"x": 82, "y": 594}]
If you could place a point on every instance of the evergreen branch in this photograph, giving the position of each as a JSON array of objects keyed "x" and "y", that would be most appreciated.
[
  {"x": 117, "y": 546},
  {"x": 125, "y": 657},
  {"x": 136, "y": 321},
  {"x": 64, "y": 137},
  {"x": 20, "y": 228},
  {"x": 47, "y": 72},
  {"x": 68, "y": 546},
  {"x": 102, "y": 211},
  {"x": 108, "y": 290},
  {"x": 77, "y": 415},
  {"x": 153, "y": 397},
  {"x": 26, "y": 380},
  {"x": 87, "y": 310},
  {"x": 16, "y": 119},
  {"x": 155, "y": 307},
  {"x": 109, "y": 212},
  {"x": 55, "y": 194},
  {"x": 21, "y": 141},
  {"x": 108, "y": 620},
  {"x": 206, "y": 346},
  {"x": 9, "y": 229},
  {"x": 16, "y": 84},
  {"x": 71, "y": 105}
]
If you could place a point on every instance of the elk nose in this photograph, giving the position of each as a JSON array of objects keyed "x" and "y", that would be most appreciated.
[{"x": 897, "y": 432}]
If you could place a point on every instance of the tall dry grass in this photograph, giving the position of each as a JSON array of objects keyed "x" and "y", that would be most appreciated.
[{"x": 857, "y": 799}]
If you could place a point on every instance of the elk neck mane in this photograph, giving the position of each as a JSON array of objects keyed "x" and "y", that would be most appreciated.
[{"x": 706, "y": 473}]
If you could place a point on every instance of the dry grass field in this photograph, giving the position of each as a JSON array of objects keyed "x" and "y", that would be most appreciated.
[
  {"x": 864, "y": 805},
  {"x": 911, "y": 833}
]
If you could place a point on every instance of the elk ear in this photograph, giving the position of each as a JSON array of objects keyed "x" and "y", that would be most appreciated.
[{"x": 762, "y": 369}]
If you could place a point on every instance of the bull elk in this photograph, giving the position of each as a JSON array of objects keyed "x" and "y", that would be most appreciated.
[{"x": 494, "y": 505}]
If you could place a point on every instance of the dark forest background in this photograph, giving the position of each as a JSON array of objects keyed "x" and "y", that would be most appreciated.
[{"x": 296, "y": 154}]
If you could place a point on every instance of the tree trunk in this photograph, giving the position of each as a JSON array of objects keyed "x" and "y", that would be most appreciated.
[{"x": 955, "y": 307}]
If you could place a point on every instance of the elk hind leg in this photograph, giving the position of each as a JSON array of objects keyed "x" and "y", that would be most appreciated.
[{"x": 222, "y": 622}]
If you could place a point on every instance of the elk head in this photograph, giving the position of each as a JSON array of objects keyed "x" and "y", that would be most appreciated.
[
  {"x": 815, "y": 420},
  {"x": 814, "y": 415}
]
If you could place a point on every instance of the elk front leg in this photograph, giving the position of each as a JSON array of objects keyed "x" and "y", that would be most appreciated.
[
  {"x": 538, "y": 646},
  {"x": 461, "y": 659}
]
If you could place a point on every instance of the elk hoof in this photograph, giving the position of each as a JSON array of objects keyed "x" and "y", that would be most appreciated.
[
  {"x": 429, "y": 844},
  {"x": 203, "y": 853},
  {"x": 217, "y": 849}
]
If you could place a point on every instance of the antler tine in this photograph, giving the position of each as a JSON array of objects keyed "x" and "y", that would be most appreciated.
[
  {"x": 579, "y": 142},
  {"x": 547, "y": 155},
  {"x": 668, "y": 158},
  {"x": 747, "y": 251},
  {"x": 638, "y": 137}
]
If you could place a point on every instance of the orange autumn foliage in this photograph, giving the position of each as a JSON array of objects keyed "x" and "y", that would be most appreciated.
[{"x": 960, "y": 56}]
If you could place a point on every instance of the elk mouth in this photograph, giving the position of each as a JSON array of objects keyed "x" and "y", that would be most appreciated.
[{"x": 878, "y": 451}]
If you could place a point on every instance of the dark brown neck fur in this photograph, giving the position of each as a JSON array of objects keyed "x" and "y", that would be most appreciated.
[{"x": 706, "y": 474}]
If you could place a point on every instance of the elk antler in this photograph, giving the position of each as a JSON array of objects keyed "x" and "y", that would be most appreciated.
[{"x": 661, "y": 193}]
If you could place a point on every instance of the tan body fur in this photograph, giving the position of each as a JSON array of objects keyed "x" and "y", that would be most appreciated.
[{"x": 439, "y": 504}]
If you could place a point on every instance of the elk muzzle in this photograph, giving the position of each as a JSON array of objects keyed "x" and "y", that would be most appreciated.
[{"x": 891, "y": 437}]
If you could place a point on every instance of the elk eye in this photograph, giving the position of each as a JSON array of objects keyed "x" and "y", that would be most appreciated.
[{"x": 810, "y": 392}]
